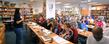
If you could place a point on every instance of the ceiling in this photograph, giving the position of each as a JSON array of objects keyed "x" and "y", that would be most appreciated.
[
  {"x": 80, "y": 1},
  {"x": 37, "y": 4},
  {"x": 62, "y": 2}
]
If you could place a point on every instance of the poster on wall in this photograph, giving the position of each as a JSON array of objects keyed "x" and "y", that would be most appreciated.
[{"x": 50, "y": 9}]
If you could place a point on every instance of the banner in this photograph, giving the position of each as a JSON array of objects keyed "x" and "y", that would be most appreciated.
[{"x": 50, "y": 9}]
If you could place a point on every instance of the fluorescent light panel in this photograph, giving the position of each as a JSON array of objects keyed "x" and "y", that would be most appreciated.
[
  {"x": 67, "y": 4},
  {"x": 58, "y": 2}
]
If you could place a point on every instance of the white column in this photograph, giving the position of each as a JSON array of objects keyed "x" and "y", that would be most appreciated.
[
  {"x": 90, "y": 9},
  {"x": 50, "y": 9}
]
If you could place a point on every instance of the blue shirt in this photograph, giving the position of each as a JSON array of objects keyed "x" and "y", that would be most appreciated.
[
  {"x": 87, "y": 22},
  {"x": 83, "y": 25}
]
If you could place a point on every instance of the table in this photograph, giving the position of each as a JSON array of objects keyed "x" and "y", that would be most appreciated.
[
  {"x": 2, "y": 34},
  {"x": 39, "y": 31},
  {"x": 85, "y": 34},
  {"x": 90, "y": 26}
]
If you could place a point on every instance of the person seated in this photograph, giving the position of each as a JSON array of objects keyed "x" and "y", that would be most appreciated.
[
  {"x": 55, "y": 26},
  {"x": 48, "y": 25},
  {"x": 83, "y": 25},
  {"x": 59, "y": 28},
  {"x": 91, "y": 21},
  {"x": 51, "y": 25},
  {"x": 99, "y": 23},
  {"x": 74, "y": 39},
  {"x": 66, "y": 32},
  {"x": 97, "y": 37},
  {"x": 87, "y": 20},
  {"x": 42, "y": 21}
]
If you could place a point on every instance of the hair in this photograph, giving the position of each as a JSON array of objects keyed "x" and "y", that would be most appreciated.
[
  {"x": 68, "y": 25},
  {"x": 97, "y": 29},
  {"x": 17, "y": 13}
]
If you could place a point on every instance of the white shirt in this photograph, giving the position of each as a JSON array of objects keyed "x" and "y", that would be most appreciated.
[
  {"x": 104, "y": 25},
  {"x": 106, "y": 32},
  {"x": 91, "y": 40},
  {"x": 91, "y": 21}
]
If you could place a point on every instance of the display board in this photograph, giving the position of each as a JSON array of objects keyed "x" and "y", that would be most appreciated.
[{"x": 50, "y": 9}]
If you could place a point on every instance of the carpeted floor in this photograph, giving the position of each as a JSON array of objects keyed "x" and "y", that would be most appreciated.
[{"x": 10, "y": 37}]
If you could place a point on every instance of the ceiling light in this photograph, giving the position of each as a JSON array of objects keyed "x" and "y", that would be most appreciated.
[
  {"x": 32, "y": 0},
  {"x": 93, "y": 8},
  {"x": 84, "y": 1},
  {"x": 67, "y": 4},
  {"x": 94, "y": 3},
  {"x": 58, "y": 2}
]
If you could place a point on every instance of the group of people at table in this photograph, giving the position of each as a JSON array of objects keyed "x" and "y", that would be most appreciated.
[{"x": 67, "y": 27}]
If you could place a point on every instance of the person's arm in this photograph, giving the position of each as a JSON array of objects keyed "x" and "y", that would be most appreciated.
[
  {"x": 51, "y": 27},
  {"x": 20, "y": 20},
  {"x": 64, "y": 33}
]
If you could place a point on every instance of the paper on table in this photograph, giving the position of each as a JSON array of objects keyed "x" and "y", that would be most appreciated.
[
  {"x": 33, "y": 23},
  {"x": 90, "y": 26},
  {"x": 43, "y": 38},
  {"x": 80, "y": 30},
  {"x": 60, "y": 40}
]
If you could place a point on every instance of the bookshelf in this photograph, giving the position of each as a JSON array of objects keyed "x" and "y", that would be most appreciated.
[
  {"x": 103, "y": 10},
  {"x": 7, "y": 13},
  {"x": 7, "y": 10}
]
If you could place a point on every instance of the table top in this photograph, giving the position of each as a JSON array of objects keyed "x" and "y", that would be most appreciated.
[
  {"x": 84, "y": 33},
  {"x": 90, "y": 26},
  {"x": 39, "y": 31}
]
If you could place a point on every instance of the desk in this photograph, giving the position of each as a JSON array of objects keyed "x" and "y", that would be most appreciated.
[
  {"x": 90, "y": 26},
  {"x": 38, "y": 31},
  {"x": 85, "y": 34},
  {"x": 2, "y": 34},
  {"x": 82, "y": 38}
]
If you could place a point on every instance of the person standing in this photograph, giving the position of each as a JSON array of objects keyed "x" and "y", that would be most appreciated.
[{"x": 18, "y": 26}]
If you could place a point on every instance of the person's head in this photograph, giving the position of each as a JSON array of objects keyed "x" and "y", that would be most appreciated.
[
  {"x": 63, "y": 26},
  {"x": 68, "y": 25},
  {"x": 87, "y": 17},
  {"x": 90, "y": 17},
  {"x": 48, "y": 20},
  {"x": 17, "y": 13},
  {"x": 97, "y": 33}
]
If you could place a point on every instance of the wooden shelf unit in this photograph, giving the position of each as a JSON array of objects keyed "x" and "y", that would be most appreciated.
[
  {"x": 104, "y": 11},
  {"x": 7, "y": 11},
  {"x": 2, "y": 34}
]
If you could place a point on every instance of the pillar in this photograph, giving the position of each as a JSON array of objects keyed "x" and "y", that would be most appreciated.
[{"x": 50, "y": 9}]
